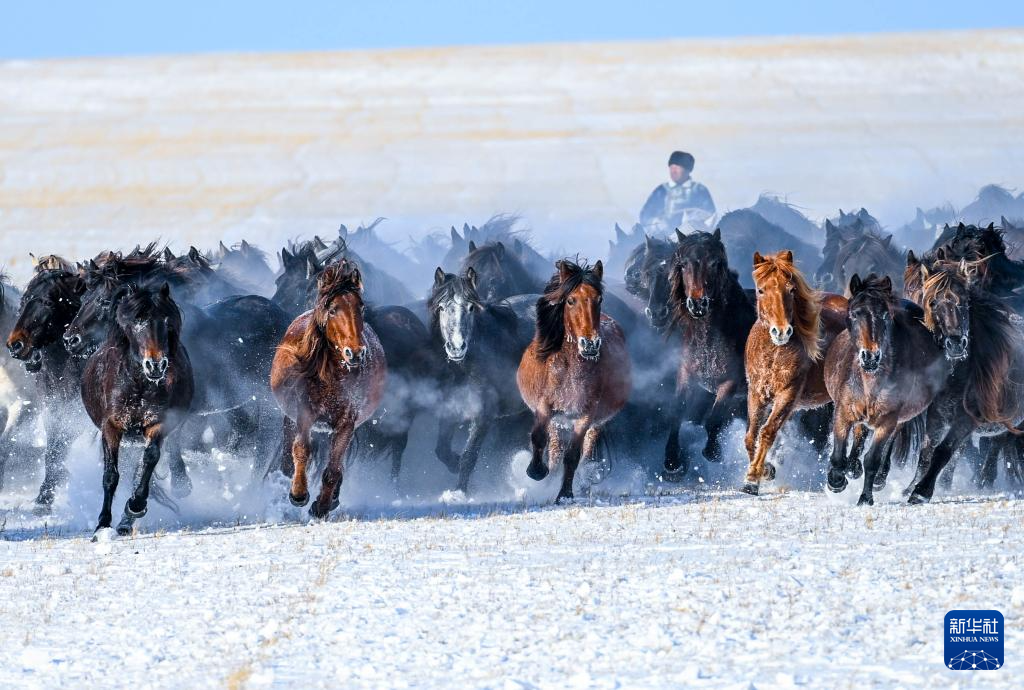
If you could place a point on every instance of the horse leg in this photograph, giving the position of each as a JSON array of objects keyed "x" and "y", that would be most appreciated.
[
  {"x": 598, "y": 470},
  {"x": 716, "y": 421},
  {"x": 136, "y": 506},
  {"x": 855, "y": 462},
  {"x": 675, "y": 465},
  {"x": 572, "y": 458},
  {"x": 299, "y": 492},
  {"x": 181, "y": 484},
  {"x": 332, "y": 476},
  {"x": 397, "y": 446},
  {"x": 111, "y": 447},
  {"x": 883, "y": 471},
  {"x": 991, "y": 448},
  {"x": 539, "y": 435},
  {"x": 782, "y": 408},
  {"x": 925, "y": 487},
  {"x": 287, "y": 464},
  {"x": 756, "y": 408},
  {"x": 443, "y": 448},
  {"x": 836, "y": 479},
  {"x": 881, "y": 442},
  {"x": 478, "y": 429},
  {"x": 57, "y": 443},
  {"x": 936, "y": 428}
]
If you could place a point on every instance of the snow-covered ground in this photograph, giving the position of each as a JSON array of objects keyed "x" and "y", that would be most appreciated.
[{"x": 699, "y": 589}]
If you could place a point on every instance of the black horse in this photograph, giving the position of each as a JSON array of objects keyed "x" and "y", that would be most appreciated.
[
  {"x": 713, "y": 315},
  {"x": 138, "y": 384},
  {"x": 984, "y": 394},
  {"x": 482, "y": 344},
  {"x": 50, "y": 302},
  {"x": 244, "y": 265},
  {"x": 856, "y": 249},
  {"x": 646, "y": 276},
  {"x": 499, "y": 228},
  {"x": 745, "y": 232}
]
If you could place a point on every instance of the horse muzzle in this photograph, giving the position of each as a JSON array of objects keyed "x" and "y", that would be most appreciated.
[
  {"x": 698, "y": 308},
  {"x": 34, "y": 362},
  {"x": 155, "y": 369},
  {"x": 781, "y": 336},
  {"x": 589, "y": 349},
  {"x": 870, "y": 360},
  {"x": 76, "y": 345},
  {"x": 354, "y": 358},
  {"x": 657, "y": 317},
  {"x": 956, "y": 347},
  {"x": 455, "y": 353}
]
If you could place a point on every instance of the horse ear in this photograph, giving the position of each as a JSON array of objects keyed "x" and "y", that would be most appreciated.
[
  {"x": 318, "y": 243},
  {"x": 787, "y": 256},
  {"x": 679, "y": 236},
  {"x": 286, "y": 259},
  {"x": 619, "y": 234},
  {"x": 887, "y": 284},
  {"x": 841, "y": 214},
  {"x": 563, "y": 270},
  {"x": 598, "y": 270},
  {"x": 471, "y": 276},
  {"x": 311, "y": 268},
  {"x": 940, "y": 254},
  {"x": 500, "y": 249},
  {"x": 165, "y": 291},
  {"x": 887, "y": 241},
  {"x": 830, "y": 229},
  {"x": 991, "y": 226},
  {"x": 456, "y": 238},
  {"x": 920, "y": 214},
  {"x": 357, "y": 278},
  {"x": 342, "y": 230},
  {"x": 855, "y": 284},
  {"x": 93, "y": 266},
  {"x": 924, "y": 272},
  {"x": 717, "y": 235},
  {"x": 221, "y": 248},
  {"x": 472, "y": 246},
  {"x": 193, "y": 253},
  {"x": 245, "y": 247},
  {"x": 961, "y": 226},
  {"x": 1003, "y": 222},
  {"x": 438, "y": 277},
  {"x": 648, "y": 243},
  {"x": 758, "y": 259},
  {"x": 168, "y": 255},
  {"x": 911, "y": 259}
]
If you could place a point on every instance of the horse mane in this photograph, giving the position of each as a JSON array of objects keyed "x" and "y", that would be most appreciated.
[
  {"x": 550, "y": 332},
  {"x": 313, "y": 350},
  {"x": 990, "y": 396},
  {"x": 155, "y": 305},
  {"x": 502, "y": 314},
  {"x": 875, "y": 287},
  {"x": 701, "y": 246},
  {"x": 806, "y": 302}
]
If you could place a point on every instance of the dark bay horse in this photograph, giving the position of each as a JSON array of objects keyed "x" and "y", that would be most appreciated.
[
  {"x": 646, "y": 276},
  {"x": 244, "y": 265},
  {"x": 882, "y": 371},
  {"x": 138, "y": 384},
  {"x": 985, "y": 393},
  {"x": 713, "y": 316},
  {"x": 576, "y": 371},
  {"x": 482, "y": 344},
  {"x": 49, "y": 303},
  {"x": 329, "y": 369},
  {"x": 784, "y": 352}
]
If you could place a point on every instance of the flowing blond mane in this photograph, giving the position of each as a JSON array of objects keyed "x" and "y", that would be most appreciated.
[{"x": 806, "y": 300}]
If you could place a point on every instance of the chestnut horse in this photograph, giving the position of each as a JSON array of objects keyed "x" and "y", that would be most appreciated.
[
  {"x": 785, "y": 372},
  {"x": 138, "y": 384},
  {"x": 576, "y": 370},
  {"x": 882, "y": 371},
  {"x": 328, "y": 369}
]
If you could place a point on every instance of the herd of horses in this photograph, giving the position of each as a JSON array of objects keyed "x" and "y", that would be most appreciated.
[{"x": 885, "y": 355}]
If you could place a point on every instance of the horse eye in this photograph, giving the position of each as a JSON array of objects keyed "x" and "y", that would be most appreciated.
[
  {"x": 571, "y": 301},
  {"x": 760, "y": 291}
]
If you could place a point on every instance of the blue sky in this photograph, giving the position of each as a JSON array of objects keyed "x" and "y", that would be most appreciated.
[{"x": 63, "y": 28}]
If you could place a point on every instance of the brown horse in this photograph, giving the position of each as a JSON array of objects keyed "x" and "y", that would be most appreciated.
[
  {"x": 575, "y": 372},
  {"x": 794, "y": 328},
  {"x": 329, "y": 369},
  {"x": 882, "y": 371}
]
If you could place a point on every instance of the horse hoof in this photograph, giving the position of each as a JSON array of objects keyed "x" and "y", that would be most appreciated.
[
  {"x": 768, "y": 474},
  {"x": 134, "y": 514},
  {"x": 678, "y": 468},
  {"x": 865, "y": 501},
  {"x": 836, "y": 483},
  {"x": 855, "y": 470},
  {"x": 300, "y": 501},
  {"x": 878, "y": 484},
  {"x": 750, "y": 488},
  {"x": 181, "y": 487},
  {"x": 537, "y": 471},
  {"x": 712, "y": 452},
  {"x": 596, "y": 472},
  {"x": 317, "y": 513},
  {"x": 102, "y": 535},
  {"x": 917, "y": 499},
  {"x": 564, "y": 498},
  {"x": 673, "y": 476},
  {"x": 42, "y": 509}
]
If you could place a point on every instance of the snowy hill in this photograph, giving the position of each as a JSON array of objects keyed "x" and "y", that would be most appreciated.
[{"x": 190, "y": 149}]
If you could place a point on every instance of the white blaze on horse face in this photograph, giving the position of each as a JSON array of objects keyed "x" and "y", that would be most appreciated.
[{"x": 456, "y": 327}]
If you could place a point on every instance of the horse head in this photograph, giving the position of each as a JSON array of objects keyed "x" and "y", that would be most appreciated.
[
  {"x": 454, "y": 305},
  {"x": 150, "y": 323},
  {"x": 338, "y": 313},
  {"x": 48, "y": 305},
  {"x": 786, "y": 305},
  {"x": 870, "y": 320}
]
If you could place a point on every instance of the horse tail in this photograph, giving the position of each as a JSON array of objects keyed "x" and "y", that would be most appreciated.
[
  {"x": 160, "y": 496},
  {"x": 908, "y": 438}
]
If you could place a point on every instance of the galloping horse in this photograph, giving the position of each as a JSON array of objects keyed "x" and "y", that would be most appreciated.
[
  {"x": 575, "y": 372},
  {"x": 856, "y": 249},
  {"x": 50, "y": 302},
  {"x": 984, "y": 394},
  {"x": 713, "y": 316},
  {"x": 646, "y": 274},
  {"x": 795, "y": 326},
  {"x": 482, "y": 344},
  {"x": 329, "y": 369},
  {"x": 138, "y": 384},
  {"x": 882, "y": 371}
]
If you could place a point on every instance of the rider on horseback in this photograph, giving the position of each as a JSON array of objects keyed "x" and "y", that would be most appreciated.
[{"x": 679, "y": 201}]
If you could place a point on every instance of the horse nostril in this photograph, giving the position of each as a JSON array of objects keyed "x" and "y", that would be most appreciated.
[
  {"x": 16, "y": 347},
  {"x": 347, "y": 352},
  {"x": 774, "y": 331},
  {"x": 162, "y": 365},
  {"x": 789, "y": 331}
]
